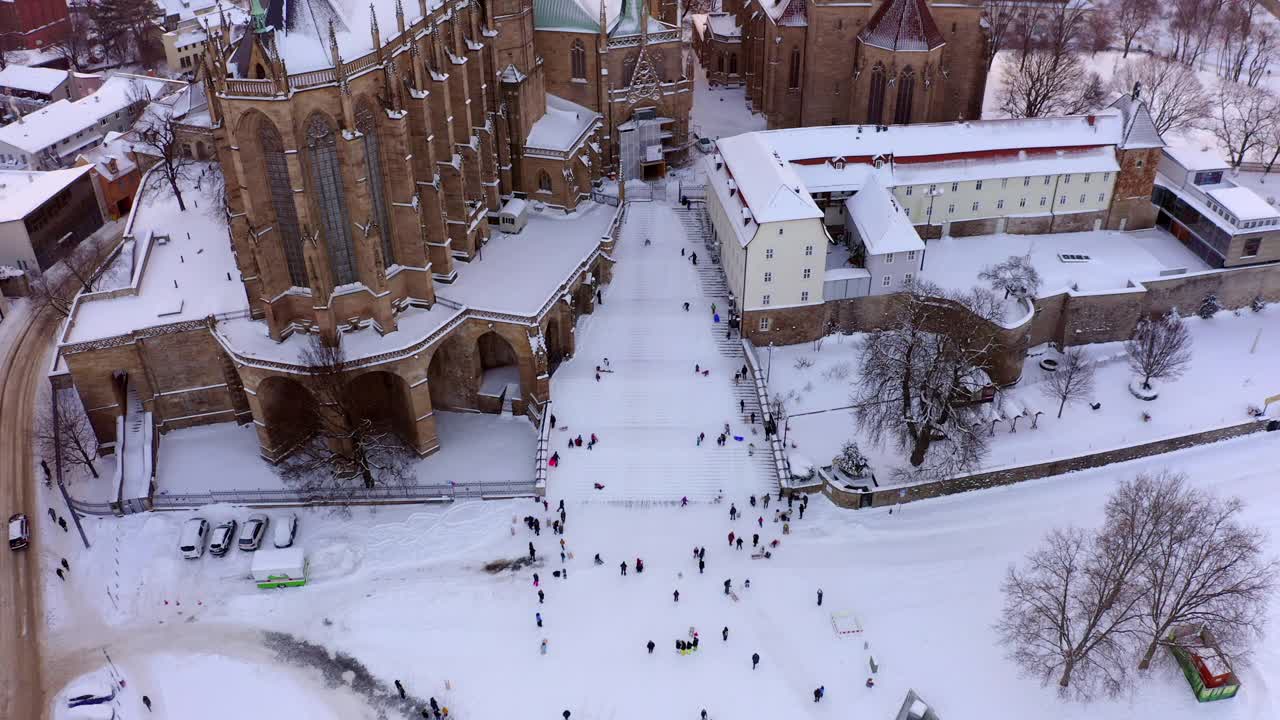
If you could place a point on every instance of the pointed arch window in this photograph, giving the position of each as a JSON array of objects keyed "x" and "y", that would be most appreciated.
[
  {"x": 326, "y": 177},
  {"x": 367, "y": 124},
  {"x": 544, "y": 181},
  {"x": 875, "y": 98},
  {"x": 281, "y": 191},
  {"x": 733, "y": 64},
  {"x": 794, "y": 80},
  {"x": 578, "y": 60},
  {"x": 906, "y": 91}
]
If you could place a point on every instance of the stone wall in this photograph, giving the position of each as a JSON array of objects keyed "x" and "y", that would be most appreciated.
[
  {"x": 787, "y": 326},
  {"x": 910, "y": 493}
]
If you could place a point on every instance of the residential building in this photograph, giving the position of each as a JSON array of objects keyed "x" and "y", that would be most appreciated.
[
  {"x": 185, "y": 26},
  {"x": 115, "y": 175},
  {"x": 883, "y": 242},
  {"x": 1225, "y": 224},
  {"x": 35, "y": 83},
  {"x": 717, "y": 38},
  {"x": 54, "y": 135},
  {"x": 31, "y": 24},
  {"x": 44, "y": 215}
]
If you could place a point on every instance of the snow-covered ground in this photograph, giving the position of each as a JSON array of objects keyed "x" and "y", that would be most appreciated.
[
  {"x": 1115, "y": 258},
  {"x": 401, "y": 593},
  {"x": 506, "y": 442},
  {"x": 649, "y": 410},
  {"x": 720, "y": 111},
  {"x": 1232, "y": 367}
]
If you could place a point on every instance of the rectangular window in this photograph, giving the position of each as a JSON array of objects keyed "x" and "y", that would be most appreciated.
[
  {"x": 951, "y": 208},
  {"x": 884, "y": 281},
  {"x": 1081, "y": 198},
  {"x": 764, "y": 324},
  {"x": 808, "y": 273},
  {"x": 955, "y": 186},
  {"x": 804, "y": 296},
  {"x": 1022, "y": 203},
  {"x": 1043, "y": 200},
  {"x": 1087, "y": 176},
  {"x": 768, "y": 277},
  {"x": 907, "y": 211},
  {"x": 1066, "y": 179},
  {"x": 1046, "y": 179},
  {"x": 808, "y": 250},
  {"x": 1101, "y": 197},
  {"x": 1004, "y": 183},
  {"x": 933, "y": 188},
  {"x": 975, "y": 207},
  {"x": 1251, "y": 247},
  {"x": 1062, "y": 199},
  {"x": 779, "y": 231},
  {"x": 977, "y": 185},
  {"x": 906, "y": 279},
  {"x": 911, "y": 255},
  {"x": 1139, "y": 163},
  {"x": 768, "y": 253},
  {"x": 1026, "y": 181},
  {"x": 1106, "y": 176},
  {"x": 766, "y": 299},
  {"x": 1000, "y": 204},
  {"x": 909, "y": 187},
  {"x": 888, "y": 259}
]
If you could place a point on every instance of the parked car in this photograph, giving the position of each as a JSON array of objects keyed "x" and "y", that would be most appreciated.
[
  {"x": 286, "y": 527},
  {"x": 195, "y": 532},
  {"x": 222, "y": 538},
  {"x": 19, "y": 531},
  {"x": 251, "y": 534},
  {"x": 92, "y": 690},
  {"x": 706, "y": 144}
]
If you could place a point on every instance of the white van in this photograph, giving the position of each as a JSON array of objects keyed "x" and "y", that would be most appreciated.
[{"x": 194, "y": 534}]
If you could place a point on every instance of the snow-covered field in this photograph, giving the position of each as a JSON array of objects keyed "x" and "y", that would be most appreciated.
[
  {"x": 1115, "y": 258},
  {"x": 402, "y": 593},
  {"x": 1232, "y": 367},
  {"x": 720, "y": 111}
]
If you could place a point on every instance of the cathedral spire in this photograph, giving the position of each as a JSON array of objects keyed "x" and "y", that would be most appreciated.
[
  {"x": 373, "y": 30},
  {"x": 399, "y": 17},
  {"x": 604, "y": 21}
]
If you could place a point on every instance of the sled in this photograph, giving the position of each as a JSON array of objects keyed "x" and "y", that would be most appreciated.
[
  {"x": 766, "y": 555},
  {"x": 739, "y": 438},
  {"x": 733, "y": 595},
  {"x": 845, "y": 624}
]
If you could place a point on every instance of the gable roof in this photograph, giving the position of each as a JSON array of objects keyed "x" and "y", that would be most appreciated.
[
  {"x": 769, "y": 186},
  {"x": 903, "y": 26},
  {"x": 1139, "y": 129},
  {"x": 881, "y": 223}
]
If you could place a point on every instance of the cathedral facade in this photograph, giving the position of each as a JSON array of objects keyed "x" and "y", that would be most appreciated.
[{"x": 818, "y": 62}]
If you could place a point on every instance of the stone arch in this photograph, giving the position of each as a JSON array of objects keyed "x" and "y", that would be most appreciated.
[
  {"x": 383, "y": 398},
  {"x": 733, "y": 63},
  {"x": 499, "y": 366},
  {"x": 202, "y": 152},
  {"x": 452, "y": 376},
  {"x": 287, "y": 410},
  {"x": 544, "y": 181},
  {"x": 553, "y": 336}
]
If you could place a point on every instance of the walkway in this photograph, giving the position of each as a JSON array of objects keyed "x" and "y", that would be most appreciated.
[{"x": 649, "y": 410}]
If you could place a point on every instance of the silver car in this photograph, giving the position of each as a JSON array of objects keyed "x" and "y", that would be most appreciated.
[{"x": 251, "y": 534}]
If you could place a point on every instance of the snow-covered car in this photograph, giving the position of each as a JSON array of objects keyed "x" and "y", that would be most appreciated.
[
  {"x": 194, "y": 534},
  {"x": 706, "y": 144},
  {"x": 19, "y": 531},
  {"x": 222, "y": 538},
  {"x": 285, "y": 528},
  {"x": 251, "y": 534},
  {"x": 91, "y": 690}
]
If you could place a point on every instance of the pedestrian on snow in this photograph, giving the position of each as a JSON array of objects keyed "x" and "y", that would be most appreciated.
[
  {"x": 871, "y": 682},
  {"x": 695, "y": 641},
  {"x": 686, "y": 307},
  {"x": 697, "y": 368},
  {"x": 535, "y": 579},
  {"x": 681, "y": 252},
  {"x": 704, "y": 714},
  {"x": 747, "y": 584},
  {"x": 675, "y": 595},
  {"x": 562, "y": 515},
  {"x": 753, "y": 501},
  {"x": 731, "y": 537},
  {"x": 562, "y": 557},
  {"x": 684, "y": 501},
  {"x": 599, "y": 297},
  {"x": 694, "y": 257},
  {"x": 400, "y": 689},
  {"x": 570, "y": 443},
  {"x": 760, "y": 521},
  {"x": 533, "y": 554},
  {"x": 727, "y": 584},
  {"x": 566, "y": 715},
  {"x": 742, "y": 406},
  {"x": 819, "y": 692},
  {"x": 751, "y": 449},
  {"x": 791, "y": 500},
  {"x": 755, "y": 539},
  {"x": 553, "y": 426},
  {"x": 819, "y": 597},
  {"x": 434, "y": 707},
  {"x": 725, "y": 633},
  {"x": 598, "y": 560},
  {"x": 680, "y": 646},
  {"x": 65, "y": 565},
  {"x": 578, "y": 441},
  {"x": 753, "y": 417},
  {"x": 52, "y": 515},
  {"x": 650, "y": 646},
  {"x": 702, "y": 565},
  {"x": 62, "y": 523},
  {"x": 562, "y": 544},
  {"x": 733, "y": 511},
  {"x": 426, "y": 712},
  {"x": 543, "y": 648},
  {"x": 146, "y": 701},
  {"x": 537, "y": 527},
  {"x": 60, "y": 575},
  {"x": 766, "y": 496},
  {"x": 540, "y": 597},
  {"x": 538, "y": 616},
  {"x": 739, "y": 543},
  {"x": 744, "y": 371},
  {"x": 597, "y": 380},
  {"x": 623, "y": 565},
  {"x": 639, "y": 565},
  {"x": 713, "y": 308},
  {"x": 555, "y": 459},
  {"x": 802, "y": 510},
  {"x": 755, "y": 660}
]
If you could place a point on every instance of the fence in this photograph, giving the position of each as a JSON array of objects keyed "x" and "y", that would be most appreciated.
[
  {"x": 781, "y": 466},
  {"x": 438, "y": 492},
  {"x": 543, "y": 453}
]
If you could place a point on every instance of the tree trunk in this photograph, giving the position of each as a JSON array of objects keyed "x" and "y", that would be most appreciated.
[
  {"x": 1150, "y": 653},
  {"x": 1065, "y": 680},
  {"x": 173, "y": 183},
  {"x": 921, "y": 446},
  {"x": 1060, "y": 406}
]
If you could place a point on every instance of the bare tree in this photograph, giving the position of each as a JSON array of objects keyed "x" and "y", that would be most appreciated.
[
  {"x": 1026, "y": 28},
  {"x": 1132, "y": 20},
  {"x": 157, "y": 134},
  {"x": 1242, "y": 27},
  {"x": 1172, "y": 92},
  {"x": 918, "y": 377},
  {"x": 1072, "y": 381},
  {"x": 1205, "y": 568},
  {"x": 74, "y": 45},
  {"x": 1016, "y": 276},
  {"x": 1048, "y": 83},
  {"x": 1067, "y": 613},
  {"x": 348, "y": 447},
  {"x": 1192, "y": 26},
  {"x": 71, "y": 433},
  {"x": 1099, "y": 30},
  {"x": 123, "y": 26},
  {"x": 1243, "y": 118},
  {"x": 1159, "y": 348},
  {"x": 57, "y": 288},
  {"x": 999, "y": 16},
  {"x": 1269, "y": 148}
]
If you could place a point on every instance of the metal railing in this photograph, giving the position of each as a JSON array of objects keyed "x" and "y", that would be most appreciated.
[
  {"x": 437, "y": 492},
  {"x": 781, "y": 465},
  {"x": 542, "y": 454}
]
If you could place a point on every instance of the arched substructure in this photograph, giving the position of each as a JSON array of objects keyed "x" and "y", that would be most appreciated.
[
  {"x": 383, "y": 399},
  {"x": 285, "y": 415},
  {"x": 499, "y": 372},
  {"x": 453, "y": 376},
  {"x": 558, "y": 339}
]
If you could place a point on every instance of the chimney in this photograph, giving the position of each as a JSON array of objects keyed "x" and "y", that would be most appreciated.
[{"x": 1091, "y": 119}]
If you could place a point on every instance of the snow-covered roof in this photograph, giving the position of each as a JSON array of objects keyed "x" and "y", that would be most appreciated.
[
  {"x": 582, "y": 15},
  {"x": 786, "y": 12},
  {"x": 724, "y": 25},
  {"x": 1193, "y": 157},
  {"x": 185, "y": 9},
  {"x": 902, "y": 26},
  {"x": 881, "y": 223},
  {"x": 22, "y": 191},
  {"x": 115, "y": 146},
  {"x": 768, "y": 185},
  {"x": 934, "y": 140},
  {"x": 561, "y": 126},
  {"x": 1244, "y": 203},
  {"x": 32, "y": 79},
  {"x": 62, "y": 119},
  {"x": 1139, "y": 129}
]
